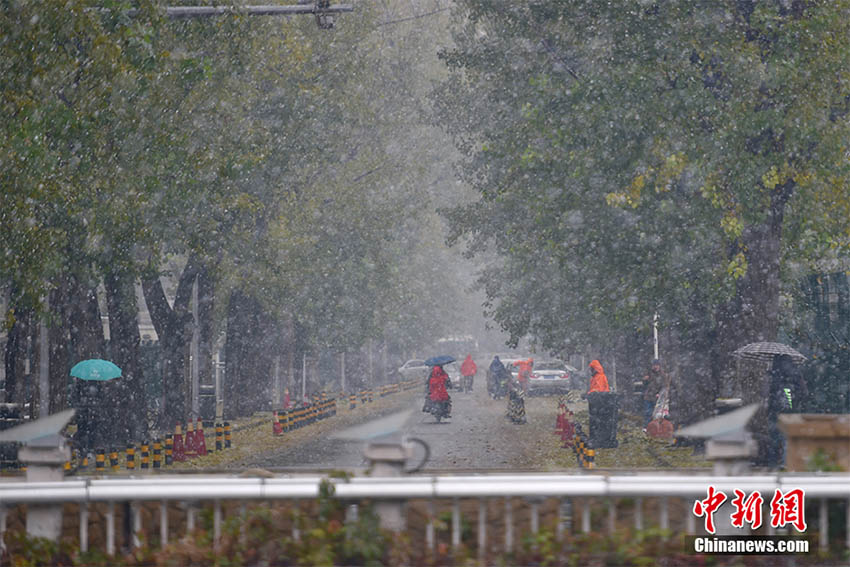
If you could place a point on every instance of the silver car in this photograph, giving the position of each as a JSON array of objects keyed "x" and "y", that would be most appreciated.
[
  {"x": 550, "y": 376},
  {"x": 414, "y": 369}
]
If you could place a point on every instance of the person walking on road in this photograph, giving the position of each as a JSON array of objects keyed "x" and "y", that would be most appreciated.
[
  {"x": 497, "y": 379},
  {"x": 598, "y": 380},
  {"x": 467, "y": 371},
  {"x": 786, "y": 392}
]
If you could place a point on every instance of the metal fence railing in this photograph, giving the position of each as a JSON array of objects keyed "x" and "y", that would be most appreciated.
[{"x": 202, "y": 490}]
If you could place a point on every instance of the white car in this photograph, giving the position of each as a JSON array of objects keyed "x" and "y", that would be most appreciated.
[
  {"x": 550, "y": 376},
  {"x": 453, "y": 370},
  {"x": 414, "y": 369}
]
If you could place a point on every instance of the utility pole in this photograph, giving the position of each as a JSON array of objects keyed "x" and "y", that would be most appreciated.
[
  {"x": 655, "y": 335},
  {"x": 322, "y": 9}
]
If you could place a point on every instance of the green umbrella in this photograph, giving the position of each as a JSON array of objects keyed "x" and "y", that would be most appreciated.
[{"x": 95, "y": 369}]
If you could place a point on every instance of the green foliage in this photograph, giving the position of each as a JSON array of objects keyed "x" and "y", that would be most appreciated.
[{"x": 633, "y": 158}]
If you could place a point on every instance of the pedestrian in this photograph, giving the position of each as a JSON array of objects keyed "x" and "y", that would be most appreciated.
[
  {"x": 653, "y": 381},
  {"x": 468, "y": 370},
  {"x": 598, "y": 380},
  {"x": 786, "y": 392},
  {"x": 497, "y": 379},
  {"x": 516, "y": 401}
]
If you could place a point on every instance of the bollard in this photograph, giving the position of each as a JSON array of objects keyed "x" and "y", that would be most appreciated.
[
  {"x": 179, "y": 453},
  {"x": 200, "y": 439},
  {"x": 157, "y": 453},
  {"x": 113, "y": 460},
  {"x": 190, "y": 443},
  {"x": 169, "y": 450},
  {"x": 146, "y": 457},
  {"x": 227, "y": 435},
  {"x": 131, "y": 457},
  {"x": 219, "y": 437},
  {"x": 352, "y": 401}
]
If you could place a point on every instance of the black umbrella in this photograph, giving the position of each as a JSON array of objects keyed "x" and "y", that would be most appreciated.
[
  {"x": 765, "y": 352},
  {"x": 439, "y": 360}
]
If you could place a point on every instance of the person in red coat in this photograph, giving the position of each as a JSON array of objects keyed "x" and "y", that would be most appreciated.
[
  {"x": 437, "y": 391},
  {"x": 468, "y": 370},
  {"x": 437, "y": 402}
]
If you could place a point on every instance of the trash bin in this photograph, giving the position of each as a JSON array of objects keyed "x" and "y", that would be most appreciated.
[
  {"x": 206, "y": 404},
  {"x": 603, "y": 417}
]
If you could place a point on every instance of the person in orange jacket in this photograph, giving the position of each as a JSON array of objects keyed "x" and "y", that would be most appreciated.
[{"x": 598, "y": 380}]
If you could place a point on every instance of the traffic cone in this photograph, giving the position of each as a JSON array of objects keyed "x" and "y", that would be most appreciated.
[
  {"x": 200, "y": 441},
  {"x": 191, "y": 444},
  {"x": 178, "y": 450},
  {"x": 559, "y": 420},
  {"x": 277, "y": 425}
]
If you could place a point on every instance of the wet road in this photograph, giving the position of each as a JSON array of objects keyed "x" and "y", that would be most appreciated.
[{"x": 478, "y": 438}]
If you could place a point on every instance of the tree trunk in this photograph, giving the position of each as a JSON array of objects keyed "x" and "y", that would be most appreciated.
[
  {"x": 87, "y": 340},
  {"x": 59, "y": 337},
  {"x": 249, "y": 353},
  {"x": 206, "y": 307},
  {"x": 130, "y": 416},
  {"x": 753, "y": 314},
  {"x": 174, "y": 328},
  {"x": 17, "y": 352}
]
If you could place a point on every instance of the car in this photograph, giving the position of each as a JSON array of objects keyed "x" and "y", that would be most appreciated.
[
  {"x": 414, "y": 369},
  {"x": 453, "y": 370},
  {"x": 550, "y": 376}
]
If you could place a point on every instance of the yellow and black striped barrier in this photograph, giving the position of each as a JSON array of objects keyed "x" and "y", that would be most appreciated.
[
  {"x": 219, "y": 437},
  {"x": 146, "y": 457},
  {"x": 131, "y": 457},
  {"x": 585, "y": 454},
  {"x": 157, "y": 453},
  {"x": 352, "y": 401},
  {"x": 227, "y": 435},
  {"x": 113, "y": 460},
  {"x": 169, "y": 450}
]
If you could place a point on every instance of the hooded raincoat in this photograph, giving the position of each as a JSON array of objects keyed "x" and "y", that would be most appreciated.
[
  {"x": 468, "y": 368},
  {"x": 598, "y": 380}
]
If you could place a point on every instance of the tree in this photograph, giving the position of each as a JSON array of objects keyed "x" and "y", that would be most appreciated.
[{"x": 660, "y": 156}]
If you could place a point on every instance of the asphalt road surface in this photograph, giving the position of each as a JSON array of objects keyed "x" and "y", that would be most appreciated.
[{"x": 477, "y": 438}]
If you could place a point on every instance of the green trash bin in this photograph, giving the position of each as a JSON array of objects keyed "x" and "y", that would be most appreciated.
[{"x": 603, "y": 410}]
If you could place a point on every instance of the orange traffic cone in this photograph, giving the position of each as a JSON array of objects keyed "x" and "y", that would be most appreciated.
[
  {"x": 178, "y": 451},
  {"x": 191, "y": 441}
]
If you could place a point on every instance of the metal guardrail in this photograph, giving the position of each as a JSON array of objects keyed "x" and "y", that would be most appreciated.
[{"x": 193, "y": 489}]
